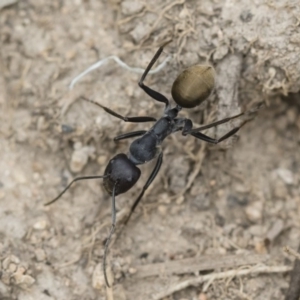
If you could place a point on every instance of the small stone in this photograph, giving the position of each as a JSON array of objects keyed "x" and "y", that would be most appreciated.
[
  {"x": 254, "y": 211},
  {"x": 275, "y": 231},
  {"x": 202, "y": 296},
  {"x": 212, "y": 182},
  {"x": 21, "y": 270},
  {"x": 98, "y": 280},
  {"x": 257, "y": 230},
  {"x": 40, "y": 225},
  {"x": 12, "y": 268},
  {"x": 19, "y": 176},
  {"x": 8, "y": 260},
  {"x": 220, "y": 193},
  {"x": 190, "y": 58},
  {"x": 286, "y": 175},
  {"x": 260, "y": 247},
  {"x": 80, "y": 158},
  {"x": 220, "y": 52},
  {"x": 23, "y": 281},
  {"x": 164, "y": 198},
  {"x": 4, "y": 3},
  {"x": 162, "y": 209},
  {"x": 37, "y": 167},
  {"x": 65, "y": 128},
  {"x": 71, "y": 54},
  {"x": 139, "y": 31},
  {"x": 40, "y": 254},
  {"x": 234, "y": 200},
  {"x": 201, "y": 202},
  {"x": 292, "y": 115},
  {"x": 280, "y": 189},
  {"x": 184, "y": 13},
  {"x": 129, "y": 90},
  {"x": 5, "y": 278},
  {"x": 42, "y": 124},
  {"x": 131, "y": 7},
  {"x": 246, "y": 16},
  {"x": 102, "y": 160},
  {"x": 132, "y": 270},
  {"x": 180, "y": 200},
  {"x": 241, "y": 188}
]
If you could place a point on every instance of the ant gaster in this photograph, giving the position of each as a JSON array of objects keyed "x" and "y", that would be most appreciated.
[{"x": 190, "y": 89}]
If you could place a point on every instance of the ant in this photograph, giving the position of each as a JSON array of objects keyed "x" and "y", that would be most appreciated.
[{"x": 189, "y": 90}]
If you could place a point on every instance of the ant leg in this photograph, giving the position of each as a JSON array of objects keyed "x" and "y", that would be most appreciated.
[
  {"x": 112, "y": 229},
  {"x": 129, "y": 135},
  {"x": 216, "y": 123},
  {"x": 153, "y": 94},
  {"x": 69, "y": 185},
  {"x": 249, "y": 112},
  {"x": 208, "y": 139},
  {"x": 149, "y": 181},
  {"x": 126, "y": 119}
]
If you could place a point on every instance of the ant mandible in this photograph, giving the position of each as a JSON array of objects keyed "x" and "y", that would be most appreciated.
[{"x": 190, "y": 89}]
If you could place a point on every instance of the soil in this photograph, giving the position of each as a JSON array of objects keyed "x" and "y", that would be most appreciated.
[{"x": 212, "y": 202}]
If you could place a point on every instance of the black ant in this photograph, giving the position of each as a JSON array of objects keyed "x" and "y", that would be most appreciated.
[{"x": 190, "y": 89}]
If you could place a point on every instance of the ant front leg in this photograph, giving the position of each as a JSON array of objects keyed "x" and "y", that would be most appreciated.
[
  {"x": 149, "y": 181},
  {"x": 112, "y": 230},
  {"x": 153, "y": 94}
]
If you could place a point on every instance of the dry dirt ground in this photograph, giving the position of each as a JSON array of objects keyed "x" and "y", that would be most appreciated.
[{"x": 215, "y": 222}]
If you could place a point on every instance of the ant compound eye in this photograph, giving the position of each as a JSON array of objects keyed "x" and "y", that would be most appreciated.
[{"x": 193, "y": 85}]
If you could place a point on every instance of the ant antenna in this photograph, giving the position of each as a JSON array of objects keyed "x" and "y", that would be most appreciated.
[
  {"x": 69, "y": 185},
  {"x": 112, "y": 229}
]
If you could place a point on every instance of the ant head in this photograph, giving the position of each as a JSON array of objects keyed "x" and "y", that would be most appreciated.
[
  {"x": 121, "y": 172},
  {"x": 193, "y": 85}
]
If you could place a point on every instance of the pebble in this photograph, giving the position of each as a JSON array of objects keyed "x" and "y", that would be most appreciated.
[
  {"x": 202, "y": 296},
  {"x": 21, "y": 135},
  {"x": 42, "y": 124},
  {"x": 285, "y": 175},
  {"x": 292, "y": 115},
  {"x": 190, "y": 58},
  {"x": 180, "y": 200},
  {"x": 40, "y": 225},
  {"x": 139, "y": 31},
  {"x": 257, "y": 230},
  {"x": 98, "y": 280},
  {"x": 102, "y": 160},
  {"x": 40, "y": 254},
  {"x": 4, "y": 3},
  {"x": 220, "y": 52},
  {"x": 131, "y": 7},
  {"x": 132, "y": 270},
  {"x": 162, "y": 210},
  {"x": 19, "y": 176},
  {"x": 212, "y": 182},
  {"x": 260, "y": 247},
  {"x": 8, "y": 260},
  {"x": 80, "y": 158},
  {"x": 5, "y": 278},
  {"x": 254, "y": 211},
  {"x": 12, "y": 268},
  {"x": 275, "y": 230},
  {"x": 24, "y": 281}
]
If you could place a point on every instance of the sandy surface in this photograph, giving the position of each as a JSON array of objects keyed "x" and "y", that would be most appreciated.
[{"x": 230, "y": 207}]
